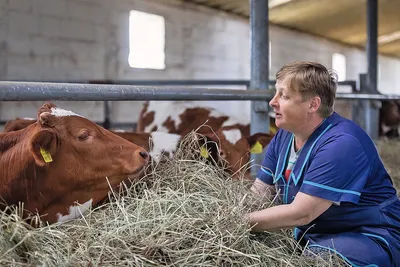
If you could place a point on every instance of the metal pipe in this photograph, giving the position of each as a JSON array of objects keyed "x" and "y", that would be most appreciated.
[
  {"x": 371, "y": 113},
  {"x": 366, "y": 96},
  {"x": 372, "y": 45},
  {"x": 169, "y": 82},
  {"x": 148, "y": 82},
  {"x": 259, "y": 33},
  {"x": 29, "y": 91}
]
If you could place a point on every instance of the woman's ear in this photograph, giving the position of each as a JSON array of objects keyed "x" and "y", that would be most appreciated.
[{"x": 315, "y": 103}]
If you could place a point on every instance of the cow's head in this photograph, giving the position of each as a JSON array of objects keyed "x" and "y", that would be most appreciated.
[
  {"x": 229, "y": 148},
  {"x": 75, "y": 156}
]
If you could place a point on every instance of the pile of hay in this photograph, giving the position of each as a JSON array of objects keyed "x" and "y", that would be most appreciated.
[
  {"x": 184, "y": 213},
  {"x": 389, "y": 150}
]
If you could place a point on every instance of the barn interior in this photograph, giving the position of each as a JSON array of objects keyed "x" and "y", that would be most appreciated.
[{"x": 103, "y": 60}]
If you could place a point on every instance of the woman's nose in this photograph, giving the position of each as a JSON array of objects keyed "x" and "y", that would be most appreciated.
[{"x": 272, "y": 102}]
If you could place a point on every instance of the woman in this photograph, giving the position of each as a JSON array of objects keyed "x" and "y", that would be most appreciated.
[{"x": 335, "y": 190}]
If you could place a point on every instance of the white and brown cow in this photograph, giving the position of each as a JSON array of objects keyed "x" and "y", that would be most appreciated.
[
  {"x": 225, "y": 125},
  {"x": 64, "y": 159},
  {"x": 182, "y": 117},
  {"x": 226, "y": 147}
]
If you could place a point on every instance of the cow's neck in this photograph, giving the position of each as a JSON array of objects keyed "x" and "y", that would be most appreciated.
[
  {"x": 71, "y": 202},
  {"x": 26, "y": 185},
  {"x": 22, "y": 180},
  {"x": 71, "y": 205}
]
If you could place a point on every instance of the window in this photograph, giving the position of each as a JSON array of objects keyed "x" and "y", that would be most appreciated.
[
  {"x": 339, "y": 65},
  {"x": 146, "y": 40}
]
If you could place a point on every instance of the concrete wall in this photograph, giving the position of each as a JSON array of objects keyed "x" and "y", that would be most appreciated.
[{"x": 88, "y": 39}]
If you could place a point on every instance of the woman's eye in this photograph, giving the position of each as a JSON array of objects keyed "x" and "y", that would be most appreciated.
[
  {"x": 283, "y": 96},
  {"x": 83, "y": 136}
]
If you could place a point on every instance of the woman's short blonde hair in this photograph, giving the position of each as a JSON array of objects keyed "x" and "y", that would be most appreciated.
[{"x": 311, "y": 79}]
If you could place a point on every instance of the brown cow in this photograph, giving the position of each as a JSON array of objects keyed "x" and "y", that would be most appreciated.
[
  {"x": 227, "y": 145},
  {"x": 64, "y": 159},
  {"x": 157, "y": 143}
]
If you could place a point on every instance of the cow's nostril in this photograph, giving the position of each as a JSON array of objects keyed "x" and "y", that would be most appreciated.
[{"x": 144, "y": 154}]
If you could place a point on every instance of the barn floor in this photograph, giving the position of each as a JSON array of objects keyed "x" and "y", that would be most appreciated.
[{"x": 390, "y": 153}]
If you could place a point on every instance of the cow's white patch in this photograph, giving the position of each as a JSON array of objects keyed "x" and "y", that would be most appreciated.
[
  {"x": 163, "y": 110},
  {"x": 28, "y": 118},
  {"x": 163, "y": 142},
  {"x": 75, "y": 211},
  {"x": 232, "y": 136},
  {"x": 58, "y": 112}
]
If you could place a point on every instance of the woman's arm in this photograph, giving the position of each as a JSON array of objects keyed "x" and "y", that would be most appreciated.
[{"x": 303, "y": 210}]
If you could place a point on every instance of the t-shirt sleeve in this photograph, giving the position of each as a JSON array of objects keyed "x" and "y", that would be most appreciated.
[
  {"x": 338, "y": 171},
  {"x": 267, "y": 170}
]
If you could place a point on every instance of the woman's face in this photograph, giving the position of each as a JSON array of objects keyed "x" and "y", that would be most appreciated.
[{"x": 290, "y": 109}]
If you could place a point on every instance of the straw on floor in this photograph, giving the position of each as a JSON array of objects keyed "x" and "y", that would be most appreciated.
[{"x": 184, "y": 212}]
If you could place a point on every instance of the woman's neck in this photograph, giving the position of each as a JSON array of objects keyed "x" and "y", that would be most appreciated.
[{"x": 301, "y": 137}]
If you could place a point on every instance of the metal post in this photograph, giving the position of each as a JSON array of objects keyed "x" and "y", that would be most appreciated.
[
  {"x": 259, "y": 31},
  {"x": 371, "y": 108},
  {"x": 372, "y": 45},
  {"x": 358, "y": 106}
]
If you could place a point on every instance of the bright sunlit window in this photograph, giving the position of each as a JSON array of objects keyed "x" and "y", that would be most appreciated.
[
  {"x": 146, "y": 40},
  {"x": 339, "y": 65}
]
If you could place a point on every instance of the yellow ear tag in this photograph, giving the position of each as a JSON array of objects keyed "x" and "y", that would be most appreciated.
[
  {"x": 46, "y": 155},
  {"x": 204, "y": 152},
  {"x": 273, "y": 130},
  {"x": 256, "y": 148}
]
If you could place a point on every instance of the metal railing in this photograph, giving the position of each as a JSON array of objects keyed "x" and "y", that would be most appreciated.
[
  {"x": 139, "y": 90},
  {"x": 45, "y": 91}
]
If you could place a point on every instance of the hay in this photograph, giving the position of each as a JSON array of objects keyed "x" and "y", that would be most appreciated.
[
  {"x": 185, "y": 212},
  {"x": 389, "y": 151}
]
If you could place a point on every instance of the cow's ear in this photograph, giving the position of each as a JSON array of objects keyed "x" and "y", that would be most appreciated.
[
  {"x": 46, "y": 119},
  {"x": 43, "y": 146},
  {"x": 258, "y": 142}
]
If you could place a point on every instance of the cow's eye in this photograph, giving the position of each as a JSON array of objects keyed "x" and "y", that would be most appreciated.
[
  {"x": 83, "y": 136},
  {"x": 222, "y": 153}
]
